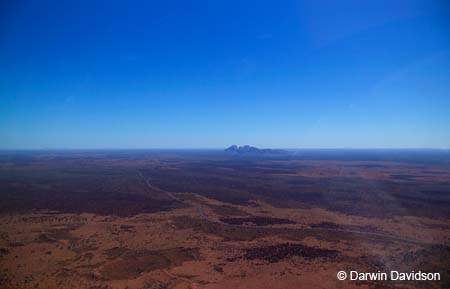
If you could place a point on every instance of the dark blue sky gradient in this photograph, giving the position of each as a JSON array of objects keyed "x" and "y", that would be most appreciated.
[{"x": 181, "y": 74}]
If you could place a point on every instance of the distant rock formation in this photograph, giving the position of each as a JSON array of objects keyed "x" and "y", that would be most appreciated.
[{"x": 250, "y": 150}]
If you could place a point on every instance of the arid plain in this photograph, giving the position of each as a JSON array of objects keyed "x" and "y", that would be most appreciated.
[{"x": 208, "y": 219}]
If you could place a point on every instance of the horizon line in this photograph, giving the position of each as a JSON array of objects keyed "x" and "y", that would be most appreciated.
[{"x": 220, "y": 148}]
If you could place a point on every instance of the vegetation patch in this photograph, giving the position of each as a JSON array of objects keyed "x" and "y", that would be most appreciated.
[
  {"x": 258, "y": 221},
  {"x": 280, "y": 252},
  {"x": 131, "y": 263}
]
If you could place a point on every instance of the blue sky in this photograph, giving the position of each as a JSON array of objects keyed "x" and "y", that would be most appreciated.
[{"x": 207, "y": 74}]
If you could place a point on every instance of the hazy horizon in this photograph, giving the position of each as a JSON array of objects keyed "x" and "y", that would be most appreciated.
[{"x": 223, "y": 148}]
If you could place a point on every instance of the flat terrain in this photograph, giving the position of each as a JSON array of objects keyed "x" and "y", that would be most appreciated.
[{"x": 207, "y": 219}]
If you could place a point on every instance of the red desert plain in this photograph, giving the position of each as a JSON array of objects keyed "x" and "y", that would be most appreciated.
[{"x": 216, "y": 220}]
